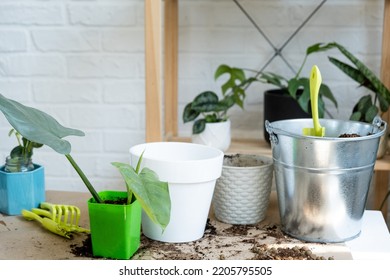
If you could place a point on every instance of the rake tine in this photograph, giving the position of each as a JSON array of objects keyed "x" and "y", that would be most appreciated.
[
  {"x": 78, "y": 214},
  {"x": 59, "y": 213},
  {"x": 65, "y": 213}
]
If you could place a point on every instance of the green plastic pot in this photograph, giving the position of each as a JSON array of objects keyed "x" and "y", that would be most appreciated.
[{"x": 115, "y": 229}]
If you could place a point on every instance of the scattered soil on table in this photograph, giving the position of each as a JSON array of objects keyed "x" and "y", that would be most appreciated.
[
  {"x": 245, "y": 244},
  {"x": 85, "y": 250},
  {"x": 264, "y": 252}
]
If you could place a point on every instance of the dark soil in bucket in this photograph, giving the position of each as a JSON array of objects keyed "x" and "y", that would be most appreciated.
[
  {"x": 349, "y": 135},
  {"x": 244, "y": 242}
]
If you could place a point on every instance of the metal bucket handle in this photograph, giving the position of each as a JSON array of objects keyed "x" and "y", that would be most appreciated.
[
  {"x": 272, "y": 136},
  {"x": 379, "y": 123}
]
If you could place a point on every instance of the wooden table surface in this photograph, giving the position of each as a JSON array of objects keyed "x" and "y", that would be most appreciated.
[{"x": 22, "y": 240}]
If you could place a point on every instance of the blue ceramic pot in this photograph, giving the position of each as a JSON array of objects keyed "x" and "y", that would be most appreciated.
[{"x": 21, "y": 190}]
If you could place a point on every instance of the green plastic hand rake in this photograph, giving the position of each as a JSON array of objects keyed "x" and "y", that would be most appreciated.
[
  {"x": 57, "y": 218},
  {"x": 315, "y": 83}
]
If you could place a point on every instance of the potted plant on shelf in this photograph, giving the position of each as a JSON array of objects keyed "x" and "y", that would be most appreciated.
[
  {"x": 291, "y": 97},
  {"x": 22, "y": 183},
  {"x": 209, "y": 112},
  {"x": 371, "y": 105},
  {"x": 144, "y": 190}
]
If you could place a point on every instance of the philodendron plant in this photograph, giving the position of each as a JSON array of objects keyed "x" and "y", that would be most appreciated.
[{"x": 39, "y": 127}]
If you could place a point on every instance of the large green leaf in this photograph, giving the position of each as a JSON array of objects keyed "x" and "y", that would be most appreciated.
[
  {"x": 376, "y": 85},
  {"x": 37, "y": 126},
  {"x": 152, "y": 194},
  {"x": 350, "y": 71}
]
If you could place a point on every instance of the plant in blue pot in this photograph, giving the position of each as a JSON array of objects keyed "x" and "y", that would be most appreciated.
[{"x": 22, "y": 182}]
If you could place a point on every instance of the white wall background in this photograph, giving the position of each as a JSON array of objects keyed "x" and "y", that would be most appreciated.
[{"x": 82, "y": 61}]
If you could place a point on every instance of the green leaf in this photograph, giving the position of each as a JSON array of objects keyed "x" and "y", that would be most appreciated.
[
  {"x": 356, "y": 116},
  {"x": 295, "y": 84},
  {"x": 370, "y": 114},
  {"x": 189, "y": 114},
  {"x": 319, "y": 47},
  {"x": 353, "y": 73},
  {"x": 226, "y": 103},
  {"x": 376, "y": 85},
  {"x": 327, "y": 93},
  {"x": 205, "y": 102},
  {"x": 199, "y": 126},
  {"x": 211, "y": 118},
  {"x": 273, "y": 79},
  {"x": 222, "y": 69},
  {"x": 236, "y": 78},
  {"x": 17, "y": 152},
  {"x": 37, "y": 126},
  {"x": 152, "y": 194},
  {"x": 364, "y": 103},
  {"x": 304, "y": 100}
]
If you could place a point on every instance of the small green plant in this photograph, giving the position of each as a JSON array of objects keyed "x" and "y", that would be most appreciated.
[
  {"x": 25, "y": 147},
  {"x": 368, "y": 106},
  {"x": 145, "y": 186},
  {"x": 38, "y": 127},
  {"x": 20, "y": 157},
  {"x": 207, "y": 107}
]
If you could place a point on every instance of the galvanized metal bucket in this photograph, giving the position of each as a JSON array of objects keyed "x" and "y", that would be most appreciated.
[{"x": 322, "y": 182}]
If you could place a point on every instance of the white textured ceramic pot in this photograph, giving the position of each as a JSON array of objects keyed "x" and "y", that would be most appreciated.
[
  {"x": 191, "y": 171},
  {"x": 217, "y": 135},
  {"x": 242, "y": 192}
]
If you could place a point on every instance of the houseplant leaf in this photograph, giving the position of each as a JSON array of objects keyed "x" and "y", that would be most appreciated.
[
  {"x": 236, "y": 77},
  {"x": 272, "y": 78},
  {"x": 376, "y": 85},
  {"x": 189, "y": 114},
  {"x": 318, "y": 47},
  {"x": 152, "y": 194},
  {"x": 326, "y": 92},
  {"x": 205, "y": 102},
  {"x": 199, "y": 126},
  {"x": 37, "y": 126}
]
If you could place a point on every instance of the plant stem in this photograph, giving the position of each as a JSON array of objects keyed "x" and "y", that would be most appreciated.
[
  {"x": 300, "y": 68},
  {"x": 85, "y": 179}
]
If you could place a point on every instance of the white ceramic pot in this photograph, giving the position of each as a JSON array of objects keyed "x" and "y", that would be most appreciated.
[
  {"x": 242, "y": 192},
  {"x": 191, "y": 171},
  {"x": 216, "y": 135}
]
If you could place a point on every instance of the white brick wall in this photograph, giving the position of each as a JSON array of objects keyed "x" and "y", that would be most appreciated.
[{"x": 83, "y": 62}]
